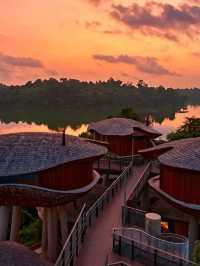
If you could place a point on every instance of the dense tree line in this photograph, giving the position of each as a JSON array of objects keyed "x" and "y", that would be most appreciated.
[
  {"x": 190, "y": 129},
  {"x": 69, "y": 101}
]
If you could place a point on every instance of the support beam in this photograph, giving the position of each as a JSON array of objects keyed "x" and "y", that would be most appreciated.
[
  {"x": 15, "y": 224},
  {"x": 145, "y": 198},
  {"x": 44, "y": 232},
  {"x": 193, "y": 232},
  {"x": 63, "y": 223},
  {"x": 4, "y": 222},
  {"x": 52, "y": 234}
]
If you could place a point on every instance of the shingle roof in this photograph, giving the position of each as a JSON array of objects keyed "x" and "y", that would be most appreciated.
[
  {"x": 25, "y": 153},
  {"x": 184, "y": 153},
  {"x": 14, "y": 254},
  {"x": 120, "y": 127}
]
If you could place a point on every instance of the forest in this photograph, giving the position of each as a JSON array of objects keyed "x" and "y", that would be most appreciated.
[{"x": 69, "y": 101}]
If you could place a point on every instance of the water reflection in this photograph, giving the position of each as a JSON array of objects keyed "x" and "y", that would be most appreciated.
[
  {"x": 13, "y": 127},
  {"x": 165, "y": 127},
  {"x": 169, "y": 125}
]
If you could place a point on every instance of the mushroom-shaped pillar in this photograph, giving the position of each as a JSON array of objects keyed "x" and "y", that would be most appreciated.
[
  {"x": 179, "y": 179},
  {"x": 37, "y": 170}
]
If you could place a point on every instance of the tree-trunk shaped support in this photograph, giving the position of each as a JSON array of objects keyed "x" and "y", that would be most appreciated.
[{"x": 16, "y": 223}]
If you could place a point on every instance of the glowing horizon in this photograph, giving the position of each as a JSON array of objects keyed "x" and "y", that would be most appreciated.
[{"x": 98, "y": 39}]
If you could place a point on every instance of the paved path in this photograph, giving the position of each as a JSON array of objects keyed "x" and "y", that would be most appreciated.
[{"x": 98, "y": 240}]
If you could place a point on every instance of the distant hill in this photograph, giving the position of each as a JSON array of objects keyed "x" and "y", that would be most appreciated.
[{"x": 68, "y": 101}]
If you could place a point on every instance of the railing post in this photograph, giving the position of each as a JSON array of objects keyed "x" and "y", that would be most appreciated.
[
  {"x": 180, "y": 262},
  {"x": 83, "y": 228},
  {"x": 155, "y": 257},
  {"x": 109, "y": 164},
  {"x": 112, "y": 192},
  {"x": 107, "y": 197},
  {"x": 132, "y": 250},
  {"x": 77, "y": 241},
  {"x": 71, "y": 253},
  {"x": 97, "y": 211},
  {"x": 90, "y": 222},
  {"x": 120, "y": 245}
]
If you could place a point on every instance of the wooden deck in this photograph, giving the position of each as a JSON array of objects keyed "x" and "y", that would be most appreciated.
[{"x": 98, "y": 240}]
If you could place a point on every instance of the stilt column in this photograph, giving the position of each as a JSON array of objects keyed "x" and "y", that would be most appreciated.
[
  {"x": 193, "y": 233},
  {"x": 52, "y": 234},
  {"x": 63, "y": 223},
  {"x": 4, "y": 222},
  {"x": 16, "y": 223},
  {"x": 44, "y": 232}
]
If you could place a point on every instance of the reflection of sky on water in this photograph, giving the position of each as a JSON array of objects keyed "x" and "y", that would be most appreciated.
[
  {"x": 24, "y": 127},
  {"x": 166, "y": 126}
]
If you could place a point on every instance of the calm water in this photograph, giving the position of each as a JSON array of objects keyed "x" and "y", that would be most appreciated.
[{"x": 165, "y": 127}]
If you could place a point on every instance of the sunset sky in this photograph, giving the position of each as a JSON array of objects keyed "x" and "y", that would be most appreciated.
[{"x": 158, "y": 41}]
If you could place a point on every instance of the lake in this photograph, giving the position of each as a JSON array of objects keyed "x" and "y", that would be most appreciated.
[{"x": 167, "y": 125}]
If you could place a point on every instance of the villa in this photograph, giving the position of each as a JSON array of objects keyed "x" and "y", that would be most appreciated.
[
  {"x": 44, "y": 170},
  {"x": 125, "y": 137}
]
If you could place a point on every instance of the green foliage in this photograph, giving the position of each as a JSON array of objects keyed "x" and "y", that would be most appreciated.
[
  {"x": 190, "y": 129},
  {"x": 31, "y": 230},
  {"x": 86, "y": 135},
  {"x": 58, "y": 103},
  {"x": 196, "y": 252},
  {"x": 128, "y": 113}
]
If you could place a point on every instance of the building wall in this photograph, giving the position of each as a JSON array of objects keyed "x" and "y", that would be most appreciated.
[
  {"x": 180, "y": 183},
  {"x": 68, "y": 176},
  {"x": 122, "y": 145}
]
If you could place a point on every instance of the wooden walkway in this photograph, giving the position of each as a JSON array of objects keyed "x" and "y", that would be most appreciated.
[{"x": 98, "y": 240}]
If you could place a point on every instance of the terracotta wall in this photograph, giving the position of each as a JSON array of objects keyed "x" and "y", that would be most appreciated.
[
  {"x": 68, "y": 176},
  {"x": 181, "y": 184},
  {"x": 122, "y": 145}
]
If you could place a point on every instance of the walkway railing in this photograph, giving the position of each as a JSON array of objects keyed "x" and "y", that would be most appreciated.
[
  {"x": 147, "y": 251},
  {"x": 142, "y": 181},
  {"x": 133, "y": 217},
  {"x": 112, "y": 164},
  {"x": 120, "y": 263},
  {"x": 72, "y": 245},
  {"x": 85, "y": 219},
  {"x": 179, "y": 246},
  {"x": 106, "y": 197}
]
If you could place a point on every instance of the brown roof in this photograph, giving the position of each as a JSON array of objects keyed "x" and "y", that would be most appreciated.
[
  {"x": 120, "y": 127},
  {"x": 25, "y": 153},
  {"x": 14, "y": 254},
  {"x": 184, "y": 153}
]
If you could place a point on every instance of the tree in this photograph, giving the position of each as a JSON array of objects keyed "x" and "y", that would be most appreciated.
[
  {"x": 196, "y": 252},
  {"x": 190, "y": 129},
  {"x": 142, "y": 84}
]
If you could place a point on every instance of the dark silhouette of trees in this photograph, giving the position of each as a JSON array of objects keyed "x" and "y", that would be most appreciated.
[
  {"x": 58, "y": 103},
  {"x": 190, "y": 129}
]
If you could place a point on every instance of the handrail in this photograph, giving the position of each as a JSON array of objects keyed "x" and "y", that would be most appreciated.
[
  {"x": 123, "y": 230},
  {"x": 70, "y": 234},
  {"x": 148, "y": 247},
  {"x": 83, "y": 216},
  {"x": 120, "y": 263},
  {"x": 142, "y": 175},
  {"x": 134, "y": 209},
  {"x": 141, "y": 181},
  {"x": 109, "y": 188}
]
